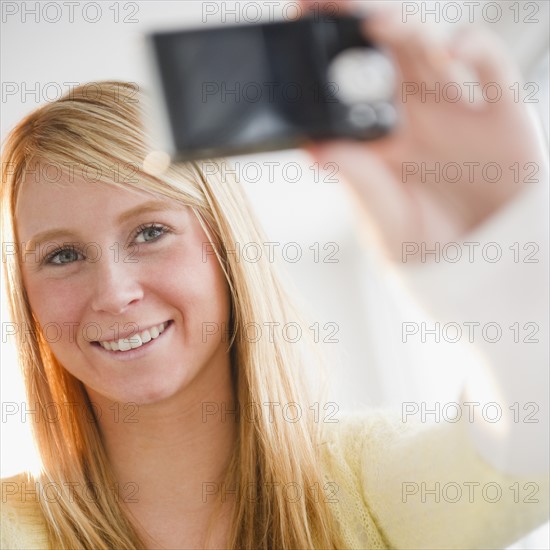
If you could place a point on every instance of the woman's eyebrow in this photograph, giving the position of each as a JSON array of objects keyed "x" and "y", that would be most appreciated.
[{"x": 150, "y": 206}]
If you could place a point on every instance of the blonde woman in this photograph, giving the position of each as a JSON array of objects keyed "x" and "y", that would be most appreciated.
[{"x": 114, "y": 256}]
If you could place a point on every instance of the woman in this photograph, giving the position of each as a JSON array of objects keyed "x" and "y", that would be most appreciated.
[{"x": 161, "y": 437}]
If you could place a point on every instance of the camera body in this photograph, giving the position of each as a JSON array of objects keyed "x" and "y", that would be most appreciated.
[{"x": 248, "y": 88}]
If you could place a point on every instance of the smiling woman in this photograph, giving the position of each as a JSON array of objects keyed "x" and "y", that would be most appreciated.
[
  {"x": 117, "y": 261},
  {"x": 163, "y": 423}
]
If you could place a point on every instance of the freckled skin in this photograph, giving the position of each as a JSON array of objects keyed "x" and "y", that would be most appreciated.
[{"x": 151, "y": 282}]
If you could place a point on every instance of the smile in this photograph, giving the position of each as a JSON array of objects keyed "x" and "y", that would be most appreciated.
[{"x": 137, "y": 340}]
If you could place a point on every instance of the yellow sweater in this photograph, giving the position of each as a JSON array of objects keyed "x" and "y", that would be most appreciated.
[{"x": 392, "y": 484}]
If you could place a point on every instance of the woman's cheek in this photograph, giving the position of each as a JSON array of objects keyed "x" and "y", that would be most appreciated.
[
  {"x": 58, "y": 304},
  {"x": 179, "y": 270},
  {"x": 201, "y": 286}
]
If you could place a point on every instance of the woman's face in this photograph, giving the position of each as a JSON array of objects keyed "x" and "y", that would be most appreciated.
[{"x": 135, "y": 263}]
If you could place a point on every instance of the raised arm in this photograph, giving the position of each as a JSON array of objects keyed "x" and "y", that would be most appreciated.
[{"x": 461, "y": 175}]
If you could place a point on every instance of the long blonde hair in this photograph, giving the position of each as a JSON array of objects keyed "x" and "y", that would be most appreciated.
[{"x": 101, "y": 125}]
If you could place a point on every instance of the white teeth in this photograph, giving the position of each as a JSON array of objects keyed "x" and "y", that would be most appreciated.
[
  {"x": 124, "y": 344},
  {"x": 135, "y": 341}
]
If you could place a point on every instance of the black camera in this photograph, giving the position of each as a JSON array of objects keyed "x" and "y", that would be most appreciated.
[{"x": 258, "y": 87}]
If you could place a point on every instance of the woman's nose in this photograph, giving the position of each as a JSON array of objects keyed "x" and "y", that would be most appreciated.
[{"x": 116, "y": 286}]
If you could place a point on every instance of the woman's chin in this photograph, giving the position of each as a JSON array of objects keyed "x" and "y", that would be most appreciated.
[{"x": 145, "y": 394}]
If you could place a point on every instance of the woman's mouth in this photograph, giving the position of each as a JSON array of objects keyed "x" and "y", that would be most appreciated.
[{"x": 137, "y": 340}]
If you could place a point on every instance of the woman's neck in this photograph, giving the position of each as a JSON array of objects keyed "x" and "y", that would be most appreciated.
[{"x": 169, "y": 458}]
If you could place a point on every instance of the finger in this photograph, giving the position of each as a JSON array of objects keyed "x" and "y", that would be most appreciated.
[
  {"x": 420, "y": 52},
  {"x": 485, "y": 54}
]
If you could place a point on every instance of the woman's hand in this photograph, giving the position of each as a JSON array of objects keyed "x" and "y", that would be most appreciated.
[{"x": 483, "y": 153}]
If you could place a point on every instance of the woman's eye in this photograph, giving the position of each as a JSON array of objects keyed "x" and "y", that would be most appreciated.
[
  {"x": 150, "y": 233},
  {"x": 64, "y": 256}
]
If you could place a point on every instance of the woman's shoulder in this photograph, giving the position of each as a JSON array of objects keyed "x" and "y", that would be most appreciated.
[
  {"x": 346, "y": 439},
  {"x": 23, "y": 524},
  {"x": 355, "y": 429},
  {"x": 354, "y": 439}
]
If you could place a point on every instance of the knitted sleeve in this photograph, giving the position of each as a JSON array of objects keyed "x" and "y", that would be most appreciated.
[{"x": 428, "y": 487}]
